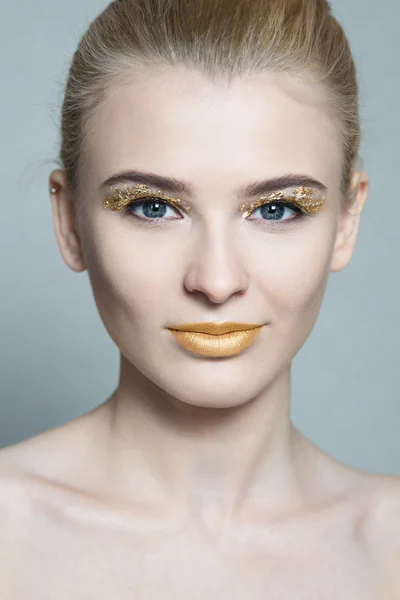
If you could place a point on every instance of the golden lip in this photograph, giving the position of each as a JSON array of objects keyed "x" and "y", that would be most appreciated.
[{"x": 215, "y": 328}]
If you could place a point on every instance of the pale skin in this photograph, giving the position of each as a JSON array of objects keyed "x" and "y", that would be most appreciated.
[{"x": 191, "y": 478}]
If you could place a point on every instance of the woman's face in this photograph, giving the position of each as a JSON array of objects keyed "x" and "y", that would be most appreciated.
[{"x": 210, "y": 263}]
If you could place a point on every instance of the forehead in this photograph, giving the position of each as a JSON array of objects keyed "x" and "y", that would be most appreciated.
[{"x": 179, "y": 123}]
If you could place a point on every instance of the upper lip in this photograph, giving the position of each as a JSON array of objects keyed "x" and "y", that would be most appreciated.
[{"x": 214, "y": 328}]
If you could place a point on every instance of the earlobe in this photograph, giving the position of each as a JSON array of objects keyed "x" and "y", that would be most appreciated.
[
  {"x": 349, "y": 223},
  {"x": 65, "y": 224},
  {"x": 344, "y": 244}
]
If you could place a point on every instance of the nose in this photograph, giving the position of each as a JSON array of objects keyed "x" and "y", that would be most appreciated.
[{"x": 215, "y": 268}]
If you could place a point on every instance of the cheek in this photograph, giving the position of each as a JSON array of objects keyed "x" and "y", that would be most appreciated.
[
  {"x": 131, "y": 274},
  {"x": 295, "y": 281}
]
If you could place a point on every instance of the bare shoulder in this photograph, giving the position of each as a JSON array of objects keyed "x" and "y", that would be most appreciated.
[
  {"x": 31, "y": 471},
  {"x": 383, "y": 522},
  {"x": 43, "y": 461},
  {"x": 15, "y": 517},
  {"x": 381, "y": 530},
  {"x": 17, "y": 485},
  {"x": 48, "y": 468},
  {"x": 14, "y": 494},
  {"x": 55, "y": 456}
]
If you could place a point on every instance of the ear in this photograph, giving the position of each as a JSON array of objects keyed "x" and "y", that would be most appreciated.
[
  {"x": 349, "y": 223},
  {"x": 65, "y": 222}
]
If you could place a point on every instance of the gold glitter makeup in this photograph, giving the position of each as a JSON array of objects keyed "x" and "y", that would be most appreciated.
[
  {"x": 120, "y": 198},
  {"x": 301, "y": 197}
]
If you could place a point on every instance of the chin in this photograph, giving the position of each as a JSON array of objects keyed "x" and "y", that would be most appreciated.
[
  {"x": 214, "y": 402},
  {"x": 203, "y": 393}
]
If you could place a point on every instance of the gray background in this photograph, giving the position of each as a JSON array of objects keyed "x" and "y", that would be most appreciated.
[{"x": 56, "y": 359}]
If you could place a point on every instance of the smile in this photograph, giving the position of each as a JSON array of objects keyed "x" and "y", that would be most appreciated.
[{"x": 216, "y": 340}]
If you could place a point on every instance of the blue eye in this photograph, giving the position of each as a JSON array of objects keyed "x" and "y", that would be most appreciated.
[
  {"x": 274, "y": 211},
  {"x": 155, "y": 210}
]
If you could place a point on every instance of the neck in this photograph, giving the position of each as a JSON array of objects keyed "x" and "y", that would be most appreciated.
[{"x": 207, "y": 462}]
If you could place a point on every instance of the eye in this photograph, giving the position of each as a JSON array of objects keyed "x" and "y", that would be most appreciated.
[
  {"x": 152, "y": 206},
  {"x": 276, "y": 210},
  {"x": 156, "y": 209},
  {"x": 152, "y": 209}
]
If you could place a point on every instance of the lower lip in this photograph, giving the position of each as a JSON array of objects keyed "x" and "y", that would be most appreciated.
[{"x": 217, "y": 346}]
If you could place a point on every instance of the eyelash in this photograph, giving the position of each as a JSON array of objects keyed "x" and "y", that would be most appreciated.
[{"x": 276, "y": 203}]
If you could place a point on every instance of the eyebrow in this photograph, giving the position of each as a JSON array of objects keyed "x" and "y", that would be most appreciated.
[{"x": 177, "y": 186}]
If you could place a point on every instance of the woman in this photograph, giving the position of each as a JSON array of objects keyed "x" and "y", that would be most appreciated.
[{"x": 208, "y": 184}]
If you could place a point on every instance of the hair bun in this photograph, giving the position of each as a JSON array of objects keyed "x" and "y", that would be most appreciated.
[{"x": 325, "y": 5}]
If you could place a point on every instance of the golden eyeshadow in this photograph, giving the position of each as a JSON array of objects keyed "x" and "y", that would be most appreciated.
[
  {"x": 302, "y": 197},
  {"x": 119, "y": 198}
]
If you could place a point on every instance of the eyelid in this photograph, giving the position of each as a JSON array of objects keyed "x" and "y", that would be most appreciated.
[
  {"x": 301, "y": 197},
  {"x": 119, "y": 198}
]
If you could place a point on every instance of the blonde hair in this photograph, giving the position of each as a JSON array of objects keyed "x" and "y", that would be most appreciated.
[{"x": 222, "y": 39}]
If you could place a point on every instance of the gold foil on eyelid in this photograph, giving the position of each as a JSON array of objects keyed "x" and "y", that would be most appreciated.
[
  {"x": 302, "y": 197},
  {"x": 119, "y": 198}
]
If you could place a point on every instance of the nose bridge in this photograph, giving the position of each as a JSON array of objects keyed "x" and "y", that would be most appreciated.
[{"x": 215, "y": 266}]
